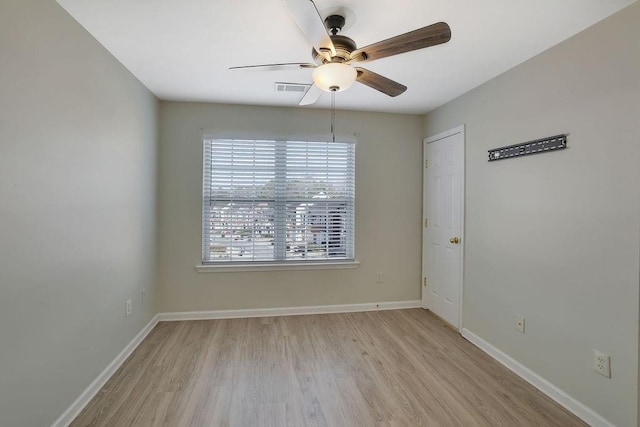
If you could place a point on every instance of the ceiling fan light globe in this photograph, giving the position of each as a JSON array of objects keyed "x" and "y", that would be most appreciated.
[{"x": 329, "y": 76}]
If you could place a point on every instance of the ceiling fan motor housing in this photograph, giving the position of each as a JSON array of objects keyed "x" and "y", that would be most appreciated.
[{"x": 343, "y": 46}]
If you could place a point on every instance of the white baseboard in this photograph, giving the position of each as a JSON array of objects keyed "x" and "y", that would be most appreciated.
[
  {"x": 582, "y": 411},
  {"x": 287, "y": 311},
  {"x": 72, "y": 412}
]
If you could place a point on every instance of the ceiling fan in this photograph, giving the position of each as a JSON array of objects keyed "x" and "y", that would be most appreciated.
[{"x": 334, "y": 54}]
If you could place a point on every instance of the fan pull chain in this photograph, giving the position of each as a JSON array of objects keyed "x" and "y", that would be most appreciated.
[{"x": 333, "y": 115}]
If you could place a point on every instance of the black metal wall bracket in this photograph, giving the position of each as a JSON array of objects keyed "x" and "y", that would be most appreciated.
[{"x": 543, "y": 145}]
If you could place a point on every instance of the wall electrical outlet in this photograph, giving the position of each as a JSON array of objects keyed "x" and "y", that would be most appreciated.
[
  {"x": 127, "y": 308},
  {"x": 520, "y": 324},
  {"x": 602, "y": 363},
  {"x": 379, "y": 277}
]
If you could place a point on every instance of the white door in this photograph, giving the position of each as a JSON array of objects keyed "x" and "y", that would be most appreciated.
[{"x": 443, "y": 220}]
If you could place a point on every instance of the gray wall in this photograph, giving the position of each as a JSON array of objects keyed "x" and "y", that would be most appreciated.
[
  {"x": 388, "y": 209},
  {"x": 556, "y": 237},
  {"x": 77, "y": 209}
]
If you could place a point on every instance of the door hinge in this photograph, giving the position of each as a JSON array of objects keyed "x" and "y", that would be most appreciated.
[
  {"x": 426, "y": 222},
  {"x": 426, "y": 163},
  {"x": 424, "y": 281}
]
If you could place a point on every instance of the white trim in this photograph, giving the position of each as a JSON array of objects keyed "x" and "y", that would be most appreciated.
[
  {"x": 445, "y": 134},
  {"x": 351, "y": 138},
  {"x": 83, "y": 400},
  {"x": 442, "y": 135},
  {"x": 261, "y": 266},
  {"x": 213, "y": 226},
  {"x": 582, "y": 411},
  {"x": 85, "y": 397},
  {"x": 288, "y": 311},
  {"x": 463, "y": 215}
]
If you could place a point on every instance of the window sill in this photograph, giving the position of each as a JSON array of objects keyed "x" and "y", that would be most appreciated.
[{"x": 230, "y": 268}]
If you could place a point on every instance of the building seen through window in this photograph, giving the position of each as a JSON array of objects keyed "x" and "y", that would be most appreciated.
[{"x": 277, "y": 201}]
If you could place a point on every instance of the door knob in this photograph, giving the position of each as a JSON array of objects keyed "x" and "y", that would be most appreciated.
[{"x": 454, "y": 240}]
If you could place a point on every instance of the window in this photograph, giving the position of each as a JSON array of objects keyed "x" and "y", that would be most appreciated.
[{"x": 277, "y": 201}]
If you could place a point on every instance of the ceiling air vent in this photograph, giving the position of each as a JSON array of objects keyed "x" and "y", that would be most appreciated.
[{"x": 291, "y": 87}]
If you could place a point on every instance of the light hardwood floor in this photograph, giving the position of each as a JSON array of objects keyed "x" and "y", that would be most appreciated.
[{"x": 386, "y": 368}]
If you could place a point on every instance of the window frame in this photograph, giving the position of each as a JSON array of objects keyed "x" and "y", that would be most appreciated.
[{"x": 328, "y": 262}]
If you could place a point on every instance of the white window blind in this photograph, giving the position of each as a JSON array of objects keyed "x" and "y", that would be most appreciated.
[{"x": 277, "y": 201}]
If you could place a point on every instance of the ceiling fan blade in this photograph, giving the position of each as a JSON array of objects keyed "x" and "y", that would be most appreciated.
[
  {"x": 306, "y": 16},
  {"x": 275, "y": 67},
  {"x": 312, "y": 95},
  {"x": 418, "y": 39},
  {"x": 380, "y": 83}
]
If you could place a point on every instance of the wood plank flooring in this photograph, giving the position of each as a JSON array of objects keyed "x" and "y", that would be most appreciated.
[{"x": 386, "y": 368}]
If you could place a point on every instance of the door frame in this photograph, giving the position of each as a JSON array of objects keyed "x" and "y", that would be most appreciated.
[{"x": 442, "y": 135}]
